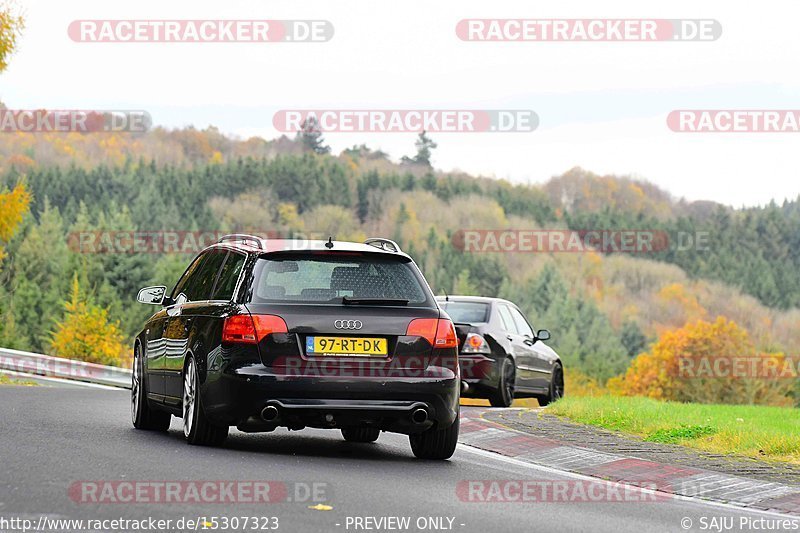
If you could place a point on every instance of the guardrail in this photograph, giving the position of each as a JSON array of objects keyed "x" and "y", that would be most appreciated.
[{"x": 35, "y": 364}]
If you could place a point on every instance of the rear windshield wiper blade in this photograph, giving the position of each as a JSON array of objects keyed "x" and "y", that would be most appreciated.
[{"x": 347, "y": 300}]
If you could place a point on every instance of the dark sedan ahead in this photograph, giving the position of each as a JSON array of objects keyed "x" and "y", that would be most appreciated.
[{"x": 500, "y": 356}]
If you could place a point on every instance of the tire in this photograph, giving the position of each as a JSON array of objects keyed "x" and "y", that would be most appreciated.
[
  {"x": 360, "y": 434},
  {"x": 436, "y": 443},
  {"x": 142, "y": 415},
  {"x": 556, "y": 387},
  {"x": 503, "y": 395},
  {"x": 196, "y": 427}
]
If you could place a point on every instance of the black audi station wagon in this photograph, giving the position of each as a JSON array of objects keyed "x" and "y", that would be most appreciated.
[{"x": 261, "y": 334}]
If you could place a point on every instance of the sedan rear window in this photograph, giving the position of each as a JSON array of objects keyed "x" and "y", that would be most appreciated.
[
  {"x": 330, "y": 278},
  {"x": 466, "y": 312}
]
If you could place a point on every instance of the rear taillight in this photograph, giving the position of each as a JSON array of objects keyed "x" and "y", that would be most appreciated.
[
  {"x": 251, "y": 329},
  {"x": 441, "y": 333},
  {"x": 475, "y": 343}
]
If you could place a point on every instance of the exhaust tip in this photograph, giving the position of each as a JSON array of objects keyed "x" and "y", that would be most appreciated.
[
  {"x": 464, "y": 387},
  {"x": 419, "y": 416},
  {"x": 270, "y": 413}
]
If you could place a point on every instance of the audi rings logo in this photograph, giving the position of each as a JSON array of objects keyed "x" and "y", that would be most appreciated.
[{"x": 348, "y": 324}]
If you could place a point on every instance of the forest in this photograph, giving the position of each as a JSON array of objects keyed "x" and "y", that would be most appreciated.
[{"x": 603, "y": 309}]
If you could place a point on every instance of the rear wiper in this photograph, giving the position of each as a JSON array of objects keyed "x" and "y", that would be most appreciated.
[{"x": 347, "y": 300}]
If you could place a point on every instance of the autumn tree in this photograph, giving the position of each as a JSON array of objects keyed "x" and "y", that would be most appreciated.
[
  {"x": 11, "y": 26},
  {"x": 86, "y": 334},
  {"x": 695, "y": 364},
  {"x": 13, "y": 206},
  {"x": 333, "y": 221}
]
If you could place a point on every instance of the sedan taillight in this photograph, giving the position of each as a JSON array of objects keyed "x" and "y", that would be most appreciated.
[{"x": 475, "y": 343}]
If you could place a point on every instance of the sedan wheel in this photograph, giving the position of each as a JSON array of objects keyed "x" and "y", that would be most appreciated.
[
  {"x": 558, "y": 383},
  {"x": 503, "y": 396},
  {"x": 556, "y": 389}
]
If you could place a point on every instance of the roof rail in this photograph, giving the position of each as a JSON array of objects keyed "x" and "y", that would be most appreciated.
[
  {"x": 383, "y": 244},
  {"x": 243, "y": 237}
]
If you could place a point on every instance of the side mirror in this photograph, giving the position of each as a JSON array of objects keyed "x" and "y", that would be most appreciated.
[
  {"x": 152, "y": 295},
  {"x": 542, "y": 335}
]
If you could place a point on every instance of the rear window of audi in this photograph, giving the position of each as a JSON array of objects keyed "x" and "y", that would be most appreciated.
[{"x": 328, "y": 278}]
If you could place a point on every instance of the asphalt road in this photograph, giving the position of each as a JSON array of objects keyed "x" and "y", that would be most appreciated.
[{"x": 51, "y": 438}]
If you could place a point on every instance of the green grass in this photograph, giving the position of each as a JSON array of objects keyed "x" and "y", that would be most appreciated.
[
  {"x": 6, "y": 380},
  {"x": 770, "y": 433},
  {"x": 679, "y": 434}
]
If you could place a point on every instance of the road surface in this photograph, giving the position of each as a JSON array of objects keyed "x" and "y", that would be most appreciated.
[{"x": 54, "y": 439}]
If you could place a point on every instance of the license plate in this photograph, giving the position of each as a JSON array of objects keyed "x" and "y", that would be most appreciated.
[{"x": 358, "y": 346}]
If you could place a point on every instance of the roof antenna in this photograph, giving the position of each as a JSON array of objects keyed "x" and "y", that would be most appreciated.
[
  {"x": 446, "y": 296},
  {"x": 329, "y": 244}
]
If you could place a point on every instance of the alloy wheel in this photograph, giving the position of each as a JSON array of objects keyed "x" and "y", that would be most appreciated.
[
  {"x": 136, "y": 386},
  {"x": 189, "y": 397},
  {"x": 558, "y": 384},
  {"x": 509, "y": 376}
]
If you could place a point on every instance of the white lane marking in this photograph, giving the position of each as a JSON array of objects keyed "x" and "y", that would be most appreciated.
[
  {"x": 481, "y": 435},
  {"x": 697, "y": 501}
]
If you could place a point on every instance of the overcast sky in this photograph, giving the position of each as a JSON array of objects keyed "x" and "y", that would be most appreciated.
[{"x": 602, "y": 106}]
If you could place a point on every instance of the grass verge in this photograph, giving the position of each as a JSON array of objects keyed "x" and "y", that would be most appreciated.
[{"x": 769, "y": 433}]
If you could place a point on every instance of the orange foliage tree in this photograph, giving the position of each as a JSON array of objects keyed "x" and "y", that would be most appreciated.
[
  {"x": 87, "y": 334},
  {"x": 696, "y": 363},
  {"x": 13, "y": 206},
  {"x": 11, "y": 25}
]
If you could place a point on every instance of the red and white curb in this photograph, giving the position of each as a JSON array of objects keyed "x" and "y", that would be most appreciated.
[{"x": 679, "y": 480}]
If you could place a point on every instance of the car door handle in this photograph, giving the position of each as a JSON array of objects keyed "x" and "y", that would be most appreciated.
[{"x": 509, "y": 337}]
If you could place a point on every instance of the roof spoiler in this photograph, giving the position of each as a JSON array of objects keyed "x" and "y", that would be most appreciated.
[
  {"x": 243, "y": 237},
  {"x": 384, "y": 244}
]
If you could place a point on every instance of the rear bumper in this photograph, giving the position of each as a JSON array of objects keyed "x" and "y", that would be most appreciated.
[
  {"x": 479, "y": 372},
  {"x": 238, "y": 395}
]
